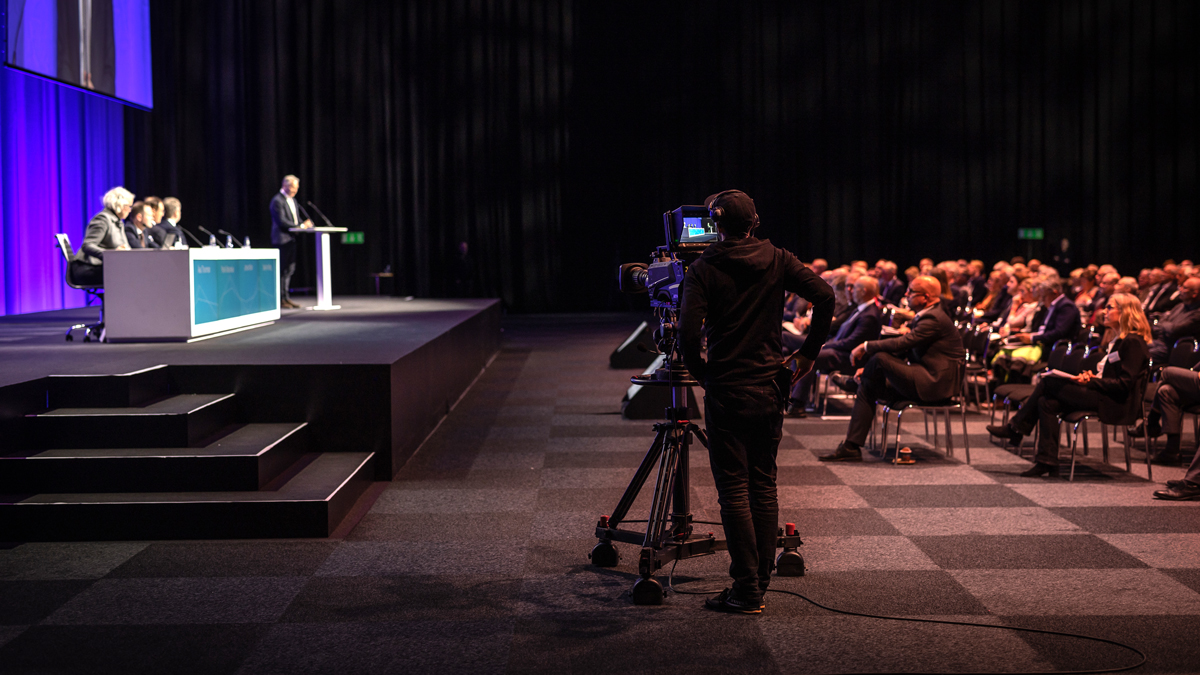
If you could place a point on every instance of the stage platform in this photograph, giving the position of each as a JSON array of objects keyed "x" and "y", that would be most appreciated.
[{"x": 91, "y": 428}]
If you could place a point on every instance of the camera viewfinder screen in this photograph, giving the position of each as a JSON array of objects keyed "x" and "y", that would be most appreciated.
[{"x": 697, "y": 230}]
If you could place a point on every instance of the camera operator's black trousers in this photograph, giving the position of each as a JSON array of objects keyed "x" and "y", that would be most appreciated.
[
  {"x": 744, "y": 425},
  {"x": 1052, "y": 397}
]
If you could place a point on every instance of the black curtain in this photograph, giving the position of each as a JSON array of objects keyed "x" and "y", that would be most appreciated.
[
  {"x": 420, "y": 124},
  {"x": 552, "y": 135}
]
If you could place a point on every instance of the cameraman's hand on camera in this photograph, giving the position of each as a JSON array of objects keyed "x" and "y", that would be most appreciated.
[{"x": 804, "y": 365}]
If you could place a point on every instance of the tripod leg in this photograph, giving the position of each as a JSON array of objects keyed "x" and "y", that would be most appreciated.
[{"x": 639, "y": 478}]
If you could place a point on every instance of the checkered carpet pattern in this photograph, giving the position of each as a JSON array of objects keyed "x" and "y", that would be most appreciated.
[{"x": 474, "y": 559}]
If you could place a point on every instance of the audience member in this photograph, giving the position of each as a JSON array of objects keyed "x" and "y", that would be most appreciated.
[
  {"x": 1182, "y": 320},
  {"x": 862, "y": 324},
  {"x": 933, "y": 348},
  {"x": 1110, "y": 390}
]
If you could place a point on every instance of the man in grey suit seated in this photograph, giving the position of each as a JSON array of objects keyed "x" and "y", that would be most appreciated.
[
  {"x": 863, "y": 324},
  {"x": 1182, "y": 320},
  {"x": 104, "y": 233},
  {"x": 933, "y": 348}
]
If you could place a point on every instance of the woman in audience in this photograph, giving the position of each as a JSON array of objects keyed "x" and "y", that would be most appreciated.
[
  {"x": 1111, "y": 390},
  {"x": 1023, "y": 308},
  {"x": 996, "y": 302}
]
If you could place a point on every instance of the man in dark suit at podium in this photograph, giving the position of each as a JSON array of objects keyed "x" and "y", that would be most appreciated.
[{"x": 285, "y": 213}]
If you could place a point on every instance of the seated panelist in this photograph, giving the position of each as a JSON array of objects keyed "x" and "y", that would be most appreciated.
[
  {"x": 169, "y": 224},
  {"x": 863, "y": 323},
  {"x": 137, "y": 226},
  {"x": 104, "y": 233}
]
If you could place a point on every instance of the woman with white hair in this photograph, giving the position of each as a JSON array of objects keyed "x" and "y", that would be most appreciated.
[{"x": 104, "y": 233}]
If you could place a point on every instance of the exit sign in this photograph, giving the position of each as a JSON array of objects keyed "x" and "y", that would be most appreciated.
[
  {"x": 352, "y": 237},
  {"x": 1031, "y": 233}
]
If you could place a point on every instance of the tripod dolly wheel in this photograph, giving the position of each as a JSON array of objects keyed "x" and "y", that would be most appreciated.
[
  {"x": 789, "y": 564},
  {"x": 647, "y": 591},
  {"x": 605, "y": 554}
]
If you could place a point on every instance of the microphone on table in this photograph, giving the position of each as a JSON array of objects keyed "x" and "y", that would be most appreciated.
[
  {"x": 232, "y": 238},
  {"x": 213, "y": 238},
  {"x": 327, "y": 223},
  {"x": 194, "y": 237}
]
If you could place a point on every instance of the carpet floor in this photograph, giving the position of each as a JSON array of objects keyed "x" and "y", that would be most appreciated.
[{"x": 474, "y": 559}]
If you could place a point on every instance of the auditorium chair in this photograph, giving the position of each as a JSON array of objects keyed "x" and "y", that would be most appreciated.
[
  {"x": 1134, "y": 413},
  {"x": 63, "y": 244},
  {"x": 955, "y": 403}
]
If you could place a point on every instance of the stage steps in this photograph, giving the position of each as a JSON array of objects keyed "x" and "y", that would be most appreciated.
[{"x": 122, "y": 457}]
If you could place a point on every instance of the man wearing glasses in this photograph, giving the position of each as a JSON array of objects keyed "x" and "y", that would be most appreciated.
[{"x": 933, "y": 349}]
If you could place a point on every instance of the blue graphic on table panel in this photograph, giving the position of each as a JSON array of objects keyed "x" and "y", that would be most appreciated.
[
  {"x": 268, "y": 295},
  {"x": 231, "y": 288},
  {"x": 204, "y": 281}
]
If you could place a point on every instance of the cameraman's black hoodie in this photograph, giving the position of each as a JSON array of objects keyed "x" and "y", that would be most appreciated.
[{"x": 735, "y": 291}]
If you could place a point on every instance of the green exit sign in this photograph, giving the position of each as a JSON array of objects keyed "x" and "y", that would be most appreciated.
[
  {"x": 1031, "y": 233},
  {"x": 352, "y": 237}
]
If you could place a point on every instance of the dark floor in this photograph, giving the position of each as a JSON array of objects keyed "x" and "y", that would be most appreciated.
[{"x": 474, "y": 560}]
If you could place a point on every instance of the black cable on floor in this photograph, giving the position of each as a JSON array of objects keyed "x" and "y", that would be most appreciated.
[{"x": 671, "y": 586}]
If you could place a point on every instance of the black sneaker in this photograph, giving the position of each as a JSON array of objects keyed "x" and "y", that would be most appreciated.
[
  {"x": 726, "y": 601},
  {"x": 844, "y": 453}
]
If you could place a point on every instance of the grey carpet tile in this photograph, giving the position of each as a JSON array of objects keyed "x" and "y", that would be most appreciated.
[
  {"x": 499, "y": 526},
  {"x": 545, "y": 557},
  {"x": 131, "y": 650},
  {"x": 73, "y": 560},
  {"x": 978, "y": 520},
  {"x": 834, "y": 522},
  {"x": 446, "y": 597},
  {"x": 365, "y": 648},
  {"x": 179, "y": 601},
  {"x": 601, "y": 500},
  {"x": 1188, "y": 577},
  {"x": 603, "y": 431},
  {"x": 1039, "y": 551},
  {"x": 626, "y": 444},
  {"x": 584, "y": 460},
  {"x": 846, "y": 644},
  {"x": 886, "y": 592},
  {"x": 943, "y": 496},
  {"x": 1163, "y": 551},
  {"x": 407, "y": 558},
  {"x": 28, "y": 602},
  {"x": 7, "y": 635},
  {"x": 1067, "y": 592},
  {"x": 1168, "y": 641},
  {"x": 227, "y": 559},
  {"x": 1081, "y": 495},
  {"x": 509, "y": 460},
  {"x": 607, "y": 643},
  {"x": 405, "y": 499},
  {"x": 806, "y": 475},
  {"x": 475, "y": 479},
  {"x": 1134, "y": 519}
]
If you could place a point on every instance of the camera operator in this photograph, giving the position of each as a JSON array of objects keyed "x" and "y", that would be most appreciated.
[{"x": 734, "y": 292}]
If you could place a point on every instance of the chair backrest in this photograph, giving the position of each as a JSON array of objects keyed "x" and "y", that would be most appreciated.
[
  {"x": 1185, "y": 353},
  {"x": 1073, "y": 360},
  {"x": 1091, "y": 359},
  {"x": 64, "y": 246},
  {"x": 1057, "y": 354}
]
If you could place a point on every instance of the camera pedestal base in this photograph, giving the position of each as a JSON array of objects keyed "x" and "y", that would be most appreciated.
[{"x": 669, "y": 532}]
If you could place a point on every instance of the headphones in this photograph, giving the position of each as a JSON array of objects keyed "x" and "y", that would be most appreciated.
[{"x": 715, "y": 212}]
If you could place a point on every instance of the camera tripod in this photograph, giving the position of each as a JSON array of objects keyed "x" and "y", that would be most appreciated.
[{"x": 669, "y": 534}]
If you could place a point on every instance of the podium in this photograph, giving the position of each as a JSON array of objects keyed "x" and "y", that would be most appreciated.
[{"x": 324, "y": 269}]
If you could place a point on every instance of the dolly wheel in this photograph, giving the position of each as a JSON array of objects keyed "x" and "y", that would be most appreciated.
[
  {"x": 605, "y": 554},
  {"x": 789, "y": 564},
  {"x": 647, "y": 592}
]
